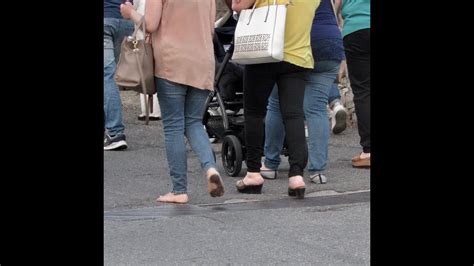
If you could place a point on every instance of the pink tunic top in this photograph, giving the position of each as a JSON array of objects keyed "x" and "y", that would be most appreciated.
[{"x": 182, "y": 45}]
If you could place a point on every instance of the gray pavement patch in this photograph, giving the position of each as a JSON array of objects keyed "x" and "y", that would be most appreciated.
[
  {"x": 135, "y": 177},
  {"x": 188, "y": 209}
]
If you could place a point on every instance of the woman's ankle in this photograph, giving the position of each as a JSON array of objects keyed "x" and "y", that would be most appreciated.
[
  {"x": 254, "y": 177},
  {"x": 296, "y": 181}
]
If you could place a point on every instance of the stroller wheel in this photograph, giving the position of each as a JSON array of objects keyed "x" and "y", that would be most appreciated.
[{"x": 231, "y": 155}]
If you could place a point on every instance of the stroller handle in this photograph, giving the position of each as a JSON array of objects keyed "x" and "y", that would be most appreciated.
[{"x": 226, "y": 59}]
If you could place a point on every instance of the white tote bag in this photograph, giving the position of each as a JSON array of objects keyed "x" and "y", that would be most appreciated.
[{"x": 260, "y": 34}]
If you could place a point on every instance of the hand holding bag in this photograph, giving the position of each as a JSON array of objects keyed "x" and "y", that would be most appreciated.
[
  {"x": 135, "y": 68},
  {"x": 260, "y": 34}
]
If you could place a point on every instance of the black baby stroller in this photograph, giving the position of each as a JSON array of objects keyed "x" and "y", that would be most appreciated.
[{"x": 224, "y": 118}]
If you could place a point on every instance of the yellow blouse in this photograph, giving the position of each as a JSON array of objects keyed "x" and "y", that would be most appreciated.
[{"x": 299, "y": 20}]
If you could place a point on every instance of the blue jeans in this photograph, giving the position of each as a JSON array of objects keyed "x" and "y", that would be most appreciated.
[
  {"x": 334, "y": 93},
  {"x": 182, "y": 109},
  {"x": 315, "y": 110},
  {"x": 114, "y": 32}
]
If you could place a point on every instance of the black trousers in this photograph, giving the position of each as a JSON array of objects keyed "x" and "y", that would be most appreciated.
[
  {"x": 259, "y": 81},
  {"x": 357, "y": 49}
]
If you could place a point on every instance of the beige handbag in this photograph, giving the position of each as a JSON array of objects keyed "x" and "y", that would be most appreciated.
[{"x": 135, "y": 68}]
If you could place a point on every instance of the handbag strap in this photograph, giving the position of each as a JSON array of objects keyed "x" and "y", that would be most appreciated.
[
  {"x": 147, "y": 105},
  {"x": 268, "y": 9},
  {"x": 333, "y": 9},
  {"x": 335, "y": 12},
  {"x": 140, "y": 25}
]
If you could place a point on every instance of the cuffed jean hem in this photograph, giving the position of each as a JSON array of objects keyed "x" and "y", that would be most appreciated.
[
  {"x": 315, "y": 172},
  {"x": 271, "y": 165},
  {"x": 179, "y": 192},
  {"x": 206, "y": 168}
]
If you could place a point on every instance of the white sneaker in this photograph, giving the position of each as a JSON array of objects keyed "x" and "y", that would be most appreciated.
[
  {"x": 268, "y": 174},
  {"x": 338, "y": 118},
  {"x": 318, "y": 178}
]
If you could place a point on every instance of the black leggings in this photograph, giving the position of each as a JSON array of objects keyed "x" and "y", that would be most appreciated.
[
  {"x": 357, "y": 48},
  {"x": 259, "y": 80}
]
